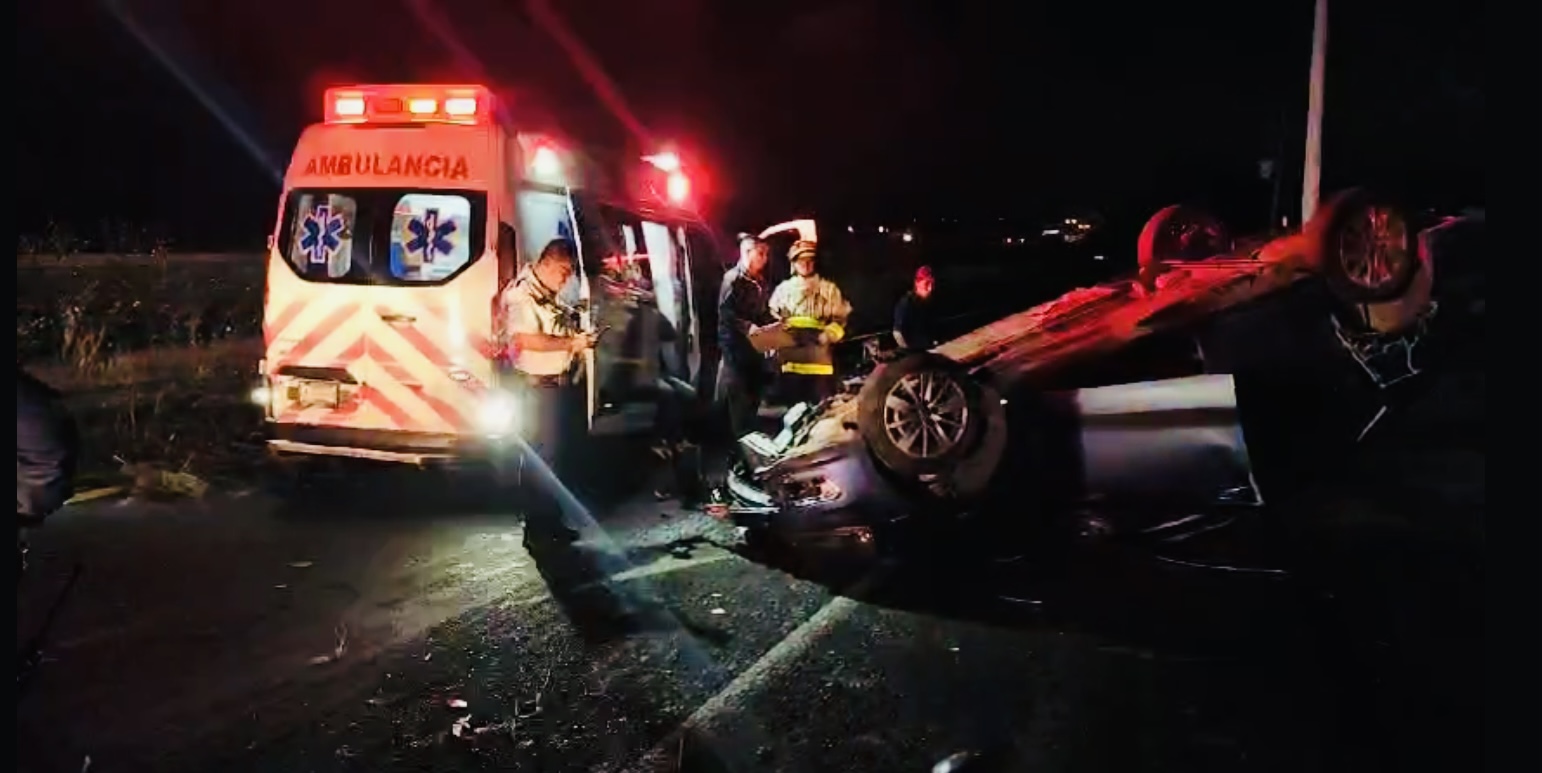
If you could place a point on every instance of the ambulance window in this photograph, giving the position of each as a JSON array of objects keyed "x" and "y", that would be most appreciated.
[
  {"x": 543, "y": 216},
  {"x": 429, "y": 237},
  {"x": 605, "y": 234},
  {"x": 321, "y": 235},
  {"x": 383, "y": 235}
]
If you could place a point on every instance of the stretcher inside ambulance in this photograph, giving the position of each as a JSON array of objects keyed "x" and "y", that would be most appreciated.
[{"x": 404, "y": 215}]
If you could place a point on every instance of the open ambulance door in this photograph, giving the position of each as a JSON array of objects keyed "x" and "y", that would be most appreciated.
[{"x": 620, "y": 296}]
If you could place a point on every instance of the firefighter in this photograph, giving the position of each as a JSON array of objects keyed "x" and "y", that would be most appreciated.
[
  {"x": 545, "y": 341},
  {"x": 915, "y": 316},
  {"x": 47, "y": 446},
  {"x": 814, "y": 312},
  {"x": 742, "y": 307}
]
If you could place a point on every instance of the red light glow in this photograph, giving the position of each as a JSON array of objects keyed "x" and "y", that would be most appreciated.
[
  {"x": 544, "y": 162},
  {"x": 678, "y": 188}
]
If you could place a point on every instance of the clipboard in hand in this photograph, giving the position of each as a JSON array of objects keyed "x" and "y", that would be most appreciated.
[{"x": 771, "y": 337}]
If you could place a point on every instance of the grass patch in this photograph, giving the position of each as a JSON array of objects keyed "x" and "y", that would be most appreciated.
[
  {"x": 182, "y": 410},
  {"x": 156, "y": 355}
]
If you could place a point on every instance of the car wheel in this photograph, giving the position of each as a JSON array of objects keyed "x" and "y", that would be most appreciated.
[
  {"x": 1180, "y": 232},
  {"x": 925, "y": 418},
  {"x": 1364, "y": 247}
]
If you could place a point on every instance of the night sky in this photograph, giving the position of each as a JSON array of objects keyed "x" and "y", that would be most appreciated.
[{"x": 855, "y": 107}]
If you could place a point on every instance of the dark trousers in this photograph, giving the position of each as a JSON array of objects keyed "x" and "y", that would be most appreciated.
[
  {"x": 676, "y": 401},
  {"x": 739, "y": 390},
  {"x": 553, "y": 412}
]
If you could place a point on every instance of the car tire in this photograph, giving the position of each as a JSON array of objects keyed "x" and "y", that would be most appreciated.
[
  {"x": 1357, "y": 215},
  {"x": 954, "y": 410},
  {"x": 1158, "y": 241}
]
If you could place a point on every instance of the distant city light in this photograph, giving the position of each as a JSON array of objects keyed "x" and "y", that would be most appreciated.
[{"x": 907, "y": 236}]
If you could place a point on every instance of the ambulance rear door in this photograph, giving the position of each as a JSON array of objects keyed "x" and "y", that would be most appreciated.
[{"x": 380, "y": 308}]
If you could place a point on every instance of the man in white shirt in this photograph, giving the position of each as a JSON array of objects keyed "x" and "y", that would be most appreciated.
[{"x": 544, "y": 338}]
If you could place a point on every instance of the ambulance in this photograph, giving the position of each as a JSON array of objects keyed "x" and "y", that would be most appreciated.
[{"x": 404, "y": 215}]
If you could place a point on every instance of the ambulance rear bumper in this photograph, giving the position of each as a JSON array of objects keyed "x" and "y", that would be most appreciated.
[{"x": 413, "y": 448}]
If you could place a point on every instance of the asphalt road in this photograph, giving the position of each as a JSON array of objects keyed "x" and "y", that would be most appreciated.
[{"x": 400, "y": 627}]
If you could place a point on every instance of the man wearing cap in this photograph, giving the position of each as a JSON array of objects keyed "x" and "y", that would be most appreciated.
[
  {"x": 741, "y": 307},
  {"x": 814, "y": 312},
  {"x": 915, "y": 316}
]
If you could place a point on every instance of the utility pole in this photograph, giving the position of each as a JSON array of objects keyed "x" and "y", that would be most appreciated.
[{"x": 1311, "y": 178}]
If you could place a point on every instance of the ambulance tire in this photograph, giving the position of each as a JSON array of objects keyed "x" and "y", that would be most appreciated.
[
  {"x": 965, "y": 420},
  {"x": 1338, "y": 259}
]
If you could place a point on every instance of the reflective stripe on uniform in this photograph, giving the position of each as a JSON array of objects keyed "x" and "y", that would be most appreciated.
[{"x": 808, "y": 368}]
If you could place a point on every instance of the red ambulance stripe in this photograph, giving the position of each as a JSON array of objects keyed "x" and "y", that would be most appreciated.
[
  {"x": 447, "y": 412},
  {"x": 397, "y": 371},
  {"x": 398, "y": 417},
  {"x": 479, "y": 343},
  {"x": 404, "y": 376},
  {"x": 276, "y": 323},
  {"x": 417, "y": 340},
  {"x": 352, "y": 354},
  {"x": 320, "y": 333}
]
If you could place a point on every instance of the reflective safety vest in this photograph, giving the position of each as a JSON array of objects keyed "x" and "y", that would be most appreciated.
[
  {"x": 810, "y": 357},
  {"x": 809, "y": 306}
]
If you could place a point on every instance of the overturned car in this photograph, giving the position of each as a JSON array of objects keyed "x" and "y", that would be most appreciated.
[{"x": 1222, "y": 372}]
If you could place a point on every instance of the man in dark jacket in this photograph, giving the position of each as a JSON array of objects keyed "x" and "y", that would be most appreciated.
[
  {"x": 47, "y": 445},
  {"x": 915, "y": 316},
  {"x": 743, "y": 304}
]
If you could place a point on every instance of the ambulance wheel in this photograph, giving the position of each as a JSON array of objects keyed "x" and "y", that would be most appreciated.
[
  {"x": 1364, "y": 247},
  {"x": 1180, "y": 232},
  {"x": 923, "y": 417}
]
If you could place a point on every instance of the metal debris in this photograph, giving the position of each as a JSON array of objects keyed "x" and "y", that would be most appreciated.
[
  {"x": 337, "y": 651},
  {"x": 149, "y": 479},
  {"x": 456, "y": 703},
  {"x": 953, "y": 763},
  {"x": 719, "y": 611}
]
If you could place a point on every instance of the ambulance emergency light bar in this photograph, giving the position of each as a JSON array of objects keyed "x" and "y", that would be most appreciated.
[
  {"x": 677, "y": 187},
  {"x": 421, "y": 103}
]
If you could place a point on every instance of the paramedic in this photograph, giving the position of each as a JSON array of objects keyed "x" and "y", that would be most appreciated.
[
  {"x": 544, "y": 343},
  {"x": 915, "y": 316},
  {"x": 813, "y": 310},
  {"x": 47, "y": 445},
  {"x": 741, "y": 307}
]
